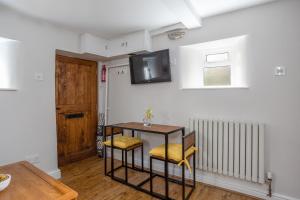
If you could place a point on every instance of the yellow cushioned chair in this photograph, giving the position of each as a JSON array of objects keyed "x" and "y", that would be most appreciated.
[
  {"x": 123, "y": 143},
  {"x": 176, "y": 156},
  {"x": 174, "y": 153}
]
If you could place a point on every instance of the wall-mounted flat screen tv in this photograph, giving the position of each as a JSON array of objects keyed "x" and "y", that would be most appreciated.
[{"x": 150, "y": 67}]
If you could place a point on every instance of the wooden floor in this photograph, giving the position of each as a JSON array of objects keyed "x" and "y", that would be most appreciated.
[{"x": 87, "y": 178}]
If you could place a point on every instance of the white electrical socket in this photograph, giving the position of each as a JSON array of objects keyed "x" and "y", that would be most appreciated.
[
  {"x": 280, "y": 71},
  {"x": 33, "y": 159},
  {"x": 38, "y": 76}
]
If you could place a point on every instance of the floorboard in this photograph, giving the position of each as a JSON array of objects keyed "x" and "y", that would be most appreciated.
[{"x": 87, "y": 178}]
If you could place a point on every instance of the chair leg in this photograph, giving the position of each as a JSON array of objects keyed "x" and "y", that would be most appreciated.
[
  {"x": 142, "y": 152},
  {"x": 151, "y": 184},
  {"x": 126, "y": 169},
  {"x": 194, "y": 170},
  {"x": 183, "y": 181},
  {"x": 105, "y": 161},
  {"x": 132, "y": 159},
  {"x": 122, "y": 157}
]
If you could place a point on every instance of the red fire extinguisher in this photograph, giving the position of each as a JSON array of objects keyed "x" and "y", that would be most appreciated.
[{"x": 103, "y": 73}]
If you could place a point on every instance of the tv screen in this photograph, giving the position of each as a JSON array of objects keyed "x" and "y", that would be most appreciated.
[{"x": 150, "y": 68}]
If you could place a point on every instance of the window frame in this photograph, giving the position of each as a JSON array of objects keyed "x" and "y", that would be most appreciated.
[
  {"x": 225, "y": 63},
  {"x": 212, "y": 54}
]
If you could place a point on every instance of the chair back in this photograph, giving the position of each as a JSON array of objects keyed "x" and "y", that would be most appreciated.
[
  {"x": 188, "y": 141},
  {"x": 108, "y": 131}
]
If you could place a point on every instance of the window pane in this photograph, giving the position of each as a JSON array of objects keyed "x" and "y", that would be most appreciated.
[
  {"x": 217, "y": 76},
  {"x": 220, "y": 57}
]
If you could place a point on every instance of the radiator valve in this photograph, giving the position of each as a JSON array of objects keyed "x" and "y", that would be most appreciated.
[{"x": 269, "y": 182}]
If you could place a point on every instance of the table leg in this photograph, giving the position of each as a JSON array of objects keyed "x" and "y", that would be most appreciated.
[
  {"x": 126, "y": 167},
  {"x": 183, "y": 170},
  {"x": 112, "y": 153},
  {"x": 166, "y": 167},
  {"x": 142, "y": 152},
  {"x": 105, "y": 160},
  {"x": 122, "y": 132},
  {"x": 151, "y": 183},
  {"x": 132, "y": 134}
]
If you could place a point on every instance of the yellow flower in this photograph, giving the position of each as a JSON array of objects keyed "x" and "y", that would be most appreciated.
[{"x": 148, "y": 114}]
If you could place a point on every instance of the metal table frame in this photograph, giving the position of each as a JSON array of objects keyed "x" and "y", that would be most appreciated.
[{"x": 166, "y": 164}]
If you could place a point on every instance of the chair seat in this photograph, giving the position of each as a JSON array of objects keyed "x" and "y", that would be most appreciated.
[
  {"x": 174, "y": 152},
  {"x": 124, "y": 142}
]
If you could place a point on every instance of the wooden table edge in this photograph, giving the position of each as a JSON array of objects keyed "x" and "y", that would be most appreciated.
[
  {"x": 68, "y": 193},
  {"x": 149, "y": 131}
]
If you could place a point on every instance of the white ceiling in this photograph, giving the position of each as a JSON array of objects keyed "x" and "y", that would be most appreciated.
[
  {"x": 111, "y": 18},
  {"x": 207, "y": 8}
]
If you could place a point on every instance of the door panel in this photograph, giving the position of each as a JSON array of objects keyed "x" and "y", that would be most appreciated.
[
  {"x": 77, "y": 136},
  {"x": 76, "y": 108},
  {"x": 83, "y": 95},
  {"x": 67, "y": 83}
]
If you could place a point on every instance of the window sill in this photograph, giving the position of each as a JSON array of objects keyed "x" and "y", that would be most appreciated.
[
  {"x": 216, "y": 87},
  {"x": 8, "y": 89}
]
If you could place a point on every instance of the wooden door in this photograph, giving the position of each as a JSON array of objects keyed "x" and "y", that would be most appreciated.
[{"x": 76, "y": 108}]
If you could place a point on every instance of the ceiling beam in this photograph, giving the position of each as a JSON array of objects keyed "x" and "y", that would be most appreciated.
[{"x": 185, "y": 13}]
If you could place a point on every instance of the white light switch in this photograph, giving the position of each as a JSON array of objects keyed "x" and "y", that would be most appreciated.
[
  {"x": 280, "y": 71},
  {"x": 38, "y": 76}
]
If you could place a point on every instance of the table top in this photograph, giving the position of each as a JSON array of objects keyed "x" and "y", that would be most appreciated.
[
  {"x": 30, "y": 183},
  {"x": 154, "y": 128}
]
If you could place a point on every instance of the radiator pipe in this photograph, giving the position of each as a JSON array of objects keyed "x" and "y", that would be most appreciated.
[{"x": 269, "y": 182}]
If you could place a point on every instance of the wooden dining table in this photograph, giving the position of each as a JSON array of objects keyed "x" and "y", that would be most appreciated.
[
  {"x": 158, "y": 129},
  {"x": 30, "y": 183}
]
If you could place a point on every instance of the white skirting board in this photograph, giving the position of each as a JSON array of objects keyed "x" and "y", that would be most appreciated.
[
  {"x": 55, "y": 174},
  {"x": 217, "y": 181}
]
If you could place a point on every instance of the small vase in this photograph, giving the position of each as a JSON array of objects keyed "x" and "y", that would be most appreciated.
[{"x": 147, "y": 122}]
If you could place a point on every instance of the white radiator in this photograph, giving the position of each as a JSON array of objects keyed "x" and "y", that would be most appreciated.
[{"x": 230, "y": 148}]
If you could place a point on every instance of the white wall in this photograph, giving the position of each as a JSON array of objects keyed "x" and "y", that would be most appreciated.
[
  {"x": 273, "y": 31},
  {"x": 27, "y": 116}
]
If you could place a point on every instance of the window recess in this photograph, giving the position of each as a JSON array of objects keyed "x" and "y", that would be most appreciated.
[
  {"x": 214, "y": 64},
  {"x": 8, "y": 64}
]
